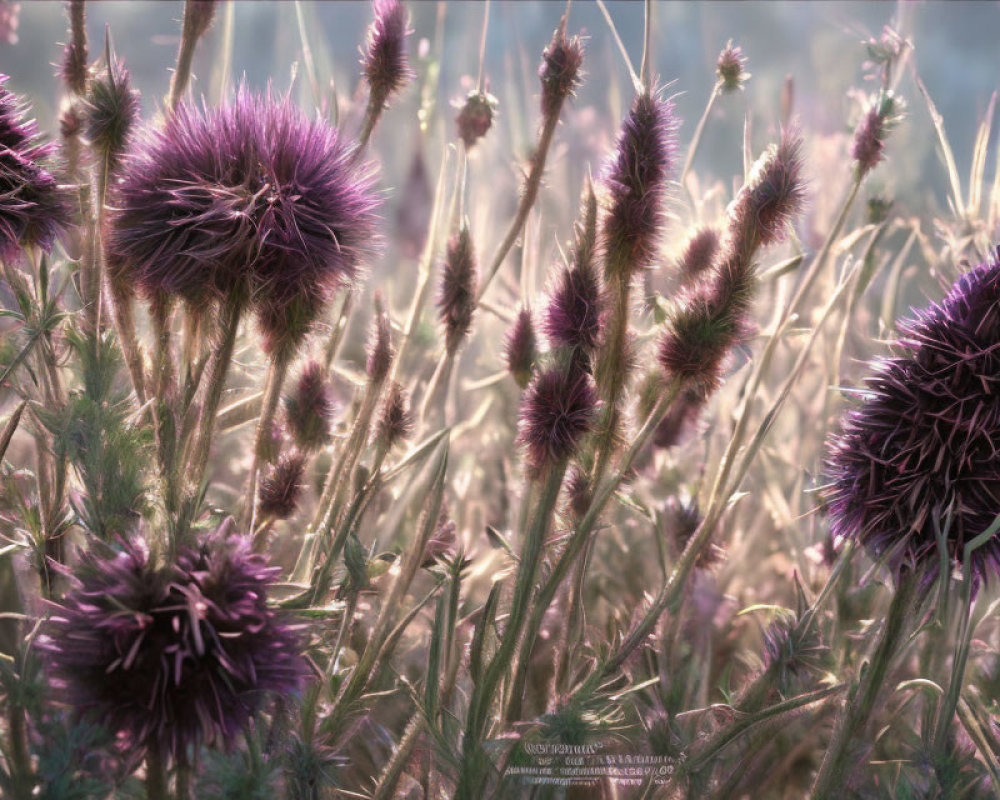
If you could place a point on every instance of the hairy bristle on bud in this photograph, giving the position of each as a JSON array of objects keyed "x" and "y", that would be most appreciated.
[
  {"x": 475, "y": 117},
  {"x": 73, "y": 69},
  {"x": 731, "y": 68},
  {"x": 699, "y": 255},
  {"x": 384, "y": 58},
  {"x": 281, "y": 486},
  {"x": 772, "y": 196},
  {"x": 380, "y": 350},
  {"x": 559, "y": 71},
  {"x": 457, "y": 296},
  {"x": 521, "y": 348},
  {"x": 868, "y": 148},
  {"x": 395, "y": 424},
  {"x": 558, "y": 409},
  {"x": 112, "y": 109},
  {"x": 636, "y": 184},
  {"x": 309, "y": 408}
]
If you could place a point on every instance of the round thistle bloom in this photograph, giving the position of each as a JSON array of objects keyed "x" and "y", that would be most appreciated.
[
  {"x": 636, "y": 182},
  {"x": 771, "y": 197},
  {"x": 112, "y": 109},
  {"x": 309, "y": 408},
  {"x": 558, "y": 409},
  {"x": 33, "y": 207},
  {"x": 560, "y": 71},
  {"x": 731, "y": 68},
  {"x": 281, "y": 487},
  {"x": 573, "y": 316},
  {"x": 521, "y": 348},
  {"x": 475, "y": 117},
  {"x": 925, "y": 440},
  {"x": 250, "y": 201},
  {"x": 384, "y": 57},
  {"x": 174, "y": 656}
]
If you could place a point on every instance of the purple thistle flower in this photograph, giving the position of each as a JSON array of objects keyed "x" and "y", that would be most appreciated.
[
  {"x": 475, "y": 117},
  {"x": 33, "y": 207},
  {"x": 521, "y": 348},
  {"x": 731, "y": 68},
  {"x": 793, "y": 654},
  {"x": 112, "y": 110},
  {"x": 310, "y": 408},
  {"x": 380, "y": 352},
  {"x": 170, "y": 657},
  {"x": 560, "y": 71},
  {"x": 925, "y": 440},
  {"x": 699, "y": 254},
  {"x": 558, "y": 409},
  {"x": 395, "y": 424},
  {"x": 249, "y": 200},
  {"x": 636, "y": 182},
  {"x": 281, "y": 486},
  {"x": 868, "y": 149},
  {"x": 457, "y": 296},
  {"x": 573, "y": 317},
  {"x": 772, "y": 196},
  {"x": 384, "y": 57}
]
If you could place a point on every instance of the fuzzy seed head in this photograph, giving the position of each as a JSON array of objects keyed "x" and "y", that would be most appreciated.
[
  {"x": 34, "y": 209},
  {"x": 731, "y": 68},
  {"x": 868, "y": 149},
  {"x": 380, "y": 351},
  {"x": 573, "y": 317},
  {"x": 249, "y": 201},
  {"x": 475, "y": 117},
  {"x": 395, "y": 424},
  {"x": 309, "y": 408},
  {"x": 925, "y": 440},
  {"x": 636, "y": 184},
  {"x": 74, "y": 70},
  {"x": 699, "y": 255},
  {"x": 772, "y": 196},
  {"x": 558, "y": 409},
  {"x": 457, "y": 296},
  {"x": 521, "y": 348},
  {"x": 384, "y": 57},
  {"x": 112, "y": 109},
  {"x": 175, "y": 656},
  {"x": 281, "y": 486},
  {"x": 560, "y": 71}
]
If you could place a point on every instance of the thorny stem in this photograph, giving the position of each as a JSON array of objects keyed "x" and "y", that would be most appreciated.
[{"x": 835, "y": 769}]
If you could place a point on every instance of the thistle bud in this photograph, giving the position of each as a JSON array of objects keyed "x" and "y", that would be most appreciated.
[
  {"x": 457, "y": 296},
  {"x": 578, "y": 494},
  {"x": 475, "y": 117},
  {"x": 731, "y": 68},
  {"x": 558, "y": 409},
  {"x": 521, "y": 348},
  {"x": 699, "y": 255},
  {"x": 73, "y": 69},
  {"x": 884, "y": 112},
  {"x": 573, "y": 315},
  {"x": 384, "y": 58},
  {"x": 395, "y": 423},
  {"x": 309, "y": 408},
  {"x": 112, "y": 110},
  {"x": 636, "y": 183},
  {"x": 281, "y": 487},
  {"x": 559, "y": 71},
  {"x": 772, "y": 196},
  {"x": 380, "y": 351}
]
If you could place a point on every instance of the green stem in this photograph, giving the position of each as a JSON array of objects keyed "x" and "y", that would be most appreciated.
[
  {"x": 837, "y": 764},
  {"x": 262, "y": 449},
  {"x": 156, "y": 776},
  {"x": 696, "y": 139}
]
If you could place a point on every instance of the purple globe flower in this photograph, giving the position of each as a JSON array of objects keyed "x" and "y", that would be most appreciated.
[
  {"x": 33, "y": 207},
  {"x": 174, "y": 656},
  {"x": 925, "y": 440},
  {"x": 557, "y": 410},
  {"x": 249, "y": 200}
]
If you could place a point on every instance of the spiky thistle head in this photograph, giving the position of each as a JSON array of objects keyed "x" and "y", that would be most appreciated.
[
  {"x": 112, "y": 108},
  {"x": 33, "y": 207},
  {"x": 699, "y": 254},
  {"x": 792, "y": 652},
  {"x": 560, "y": 70},
  {"x": 380, "y": 350},
  {"x": 309, "y": 408},
  {"x": 250, "y": 201},
  {"x": 384, "y": 56},
  {"x": 558, "y": 409},
  {"x": 636, "y": 185},
  {"x": 573, "y": 316},
  {"x": 868, "y": 149},
  {"x": 395, "y": 424},
  {"x": 173, "y": 656},
  {"x": 731, "y": 68},
  {"x": 920, "y": 454},
  {"x": 521, "y": 348},
  {"x": 457, "y": 296},
  {"x": 475, "y": 117},
  {"x": 281, "y": 486},
  {"x": 772, "y": 196}
]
